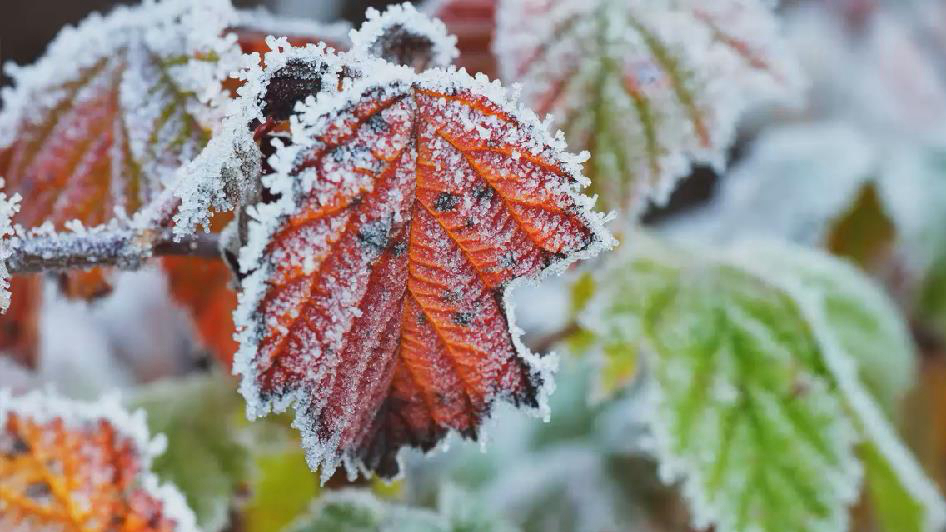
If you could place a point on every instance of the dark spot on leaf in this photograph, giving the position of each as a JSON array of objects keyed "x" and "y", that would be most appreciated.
[
  {"x": 38, "y": 490},
  {"x": 356, "y": 201},
  {"x": 290, "y": 84},
  {"x": 398, "y": 248},
  {"x": 374, "y": 236},
  {"x": 452, "y": 296},
  {"x": 377, "y": 124},
  {"x": 482, "y": 191},
  {"x": 463, "y": 319},
  {"x": 421, "y": 318},
  {"x": 508, "y": 260},
  {"x": 401, "y": 46},
  {"x": 445, "y": 202}
]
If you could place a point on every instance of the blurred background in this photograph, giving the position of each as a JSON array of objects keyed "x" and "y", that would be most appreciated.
[{"x": 858, "y": 170}]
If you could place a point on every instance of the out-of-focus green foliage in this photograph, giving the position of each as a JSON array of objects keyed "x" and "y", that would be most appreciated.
[{"x": 206, "y": 456}]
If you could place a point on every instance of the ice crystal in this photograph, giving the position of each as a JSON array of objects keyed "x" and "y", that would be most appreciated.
[{"x": 9, "y": 206}]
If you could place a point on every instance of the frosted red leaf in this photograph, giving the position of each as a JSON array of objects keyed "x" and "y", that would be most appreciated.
[
  {"x": 71, "y": 467},
  {"x": 374, "y": 297}
]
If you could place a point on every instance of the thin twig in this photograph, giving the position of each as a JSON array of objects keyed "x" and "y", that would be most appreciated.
[
  {"x": 545, "y": 343},
  {"x": 125, "y": 249}
]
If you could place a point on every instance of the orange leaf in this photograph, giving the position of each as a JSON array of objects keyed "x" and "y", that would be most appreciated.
[
  {"x": 82, "y": 468},
  {"x": 375, "y": 299},
  {"x": 202, "y": 286}
]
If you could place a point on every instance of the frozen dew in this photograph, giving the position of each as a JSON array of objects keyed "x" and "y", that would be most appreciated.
[{"x": 9, "y": 206}]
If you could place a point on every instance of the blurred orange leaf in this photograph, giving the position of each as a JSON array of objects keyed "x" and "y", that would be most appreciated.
[
  {"x": 82, "y": 468},
  {"x": 202, "y": 286}
]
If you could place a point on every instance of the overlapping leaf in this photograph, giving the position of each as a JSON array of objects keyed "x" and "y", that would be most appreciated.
[
  {"x": 66, "y": 466},
  {"x": 374, "y": 290},
  {"x": 98, "y": 126},
  {"x": 866, "y": 346},
  {"x": 649, "y": 88},
  {"x": 113, "y": 109},
  {"x": 764, "y": 364}
]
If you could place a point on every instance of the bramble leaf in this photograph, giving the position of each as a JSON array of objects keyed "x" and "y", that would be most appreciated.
[
  {"x": 373, "y": 297},
  {"x": 205, "y": 456},
  {"x": 764, "y": 359},
  {"x": 115, "y": 106},
  {"x": 866, "y": 347},
  {"x": 79, "y": 466},
  {"x": 866, "y": 324},
  {"x": 649, "y": 88}
]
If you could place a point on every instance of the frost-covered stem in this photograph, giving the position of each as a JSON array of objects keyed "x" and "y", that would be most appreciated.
[{"x": 125, "y": 249}]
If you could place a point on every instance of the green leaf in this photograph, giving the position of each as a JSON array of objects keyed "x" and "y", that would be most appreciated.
[
  {"x": 860, "y": 338},
  {"x": 282, "y": 486},
  {"x": 359, "y": 511},
  {"x": 865, "y": 322},
  {"x": 744, "y": 409},
  {"x": 895, "y": 507},
  {"x": 205, "y": 455}
]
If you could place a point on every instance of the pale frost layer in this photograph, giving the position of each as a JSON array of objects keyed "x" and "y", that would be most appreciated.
[
  {"x": 314, "y": 117},
  {"x": 9, "y": 206},
  {"x": 45, "y": 407},
  {"x": 650, "y": 87},
  {"x": 231, "y": 163}
]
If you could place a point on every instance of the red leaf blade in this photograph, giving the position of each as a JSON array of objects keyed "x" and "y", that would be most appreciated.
[{"x": 377, "y": 305}]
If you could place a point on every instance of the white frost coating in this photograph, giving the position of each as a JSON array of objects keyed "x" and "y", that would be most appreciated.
[
  {"x": 9, "y": 206},
  {"x": 630, "y": 76},
  {"x": 406, "y": 17},
  {"x": 313, "y": 118},
  {"x": 46, "y": 406},
  {"x": 265, "y": 21},
  {"x": 795, "y": 181},
  {"x": 232, "y": 158},
  {"x": 870, "y": 419}
]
